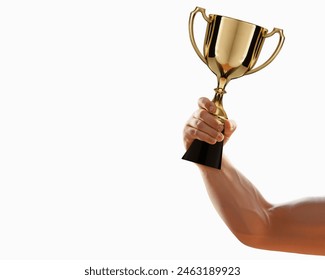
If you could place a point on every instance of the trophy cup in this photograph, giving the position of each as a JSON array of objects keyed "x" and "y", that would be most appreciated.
[{"x": 231, "y": 49}]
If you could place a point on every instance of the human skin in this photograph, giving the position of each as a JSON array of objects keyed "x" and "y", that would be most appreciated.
[{"x": 297, "y": 226}]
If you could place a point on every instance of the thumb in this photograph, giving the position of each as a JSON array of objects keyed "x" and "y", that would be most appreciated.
[{"x": 230, "y": 127}]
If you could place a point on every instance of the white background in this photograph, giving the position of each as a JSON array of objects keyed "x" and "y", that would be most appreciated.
[{"x": 93, "y": 99}]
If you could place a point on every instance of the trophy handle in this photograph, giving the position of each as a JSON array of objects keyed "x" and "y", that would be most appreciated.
[
  {"x": 191, "y": 30},
  {"x": 275, "y": 53}
]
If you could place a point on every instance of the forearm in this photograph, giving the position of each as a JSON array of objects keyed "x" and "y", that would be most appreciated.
[
  {"x": 298, "y": 226},
  {"x": 237, "y": 201}
]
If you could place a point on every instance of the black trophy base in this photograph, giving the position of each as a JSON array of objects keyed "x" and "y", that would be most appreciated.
[{"x": 204, "y": 153}]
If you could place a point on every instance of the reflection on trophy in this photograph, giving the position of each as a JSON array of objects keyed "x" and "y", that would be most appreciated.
[{"x": 231, "y": 49}]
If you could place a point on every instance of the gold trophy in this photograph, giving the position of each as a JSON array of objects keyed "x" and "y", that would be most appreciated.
[{"x": 231, "y": 49}]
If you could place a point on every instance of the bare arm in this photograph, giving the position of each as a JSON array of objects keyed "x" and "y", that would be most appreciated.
[{"x": 298, "y": 226}]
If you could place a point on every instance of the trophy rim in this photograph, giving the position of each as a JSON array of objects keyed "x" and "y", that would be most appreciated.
[{"x": 236, "y": 19}]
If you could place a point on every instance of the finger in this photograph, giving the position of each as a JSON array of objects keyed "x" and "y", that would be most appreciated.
[
  {"x": 207, "y": 104},
  {"x": 192, "y": 133},
  {"x": 203, "y": 127},
  {"x": 209, "y": 119}
]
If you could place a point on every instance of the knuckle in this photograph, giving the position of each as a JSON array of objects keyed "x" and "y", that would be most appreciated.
[
  {"x": 188, "y": 130},
  {"x": 193, "y": 132},
  {"x": 202, "y": 113},
  {"x": 202, "y": 100},
  {"x": 199, "y": 124}
]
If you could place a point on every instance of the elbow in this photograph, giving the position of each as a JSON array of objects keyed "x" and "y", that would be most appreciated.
[
  {"x": 257, "y": 234},
  {"x": 252, "y": 240}
]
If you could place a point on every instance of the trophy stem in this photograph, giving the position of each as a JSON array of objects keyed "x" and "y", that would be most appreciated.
[{"x": 220, "y": 112}]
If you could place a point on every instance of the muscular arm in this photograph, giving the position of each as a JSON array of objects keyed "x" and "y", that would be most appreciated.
[
  {"x": 298, "y": 226},
  {"x": 293, "y": 227}
]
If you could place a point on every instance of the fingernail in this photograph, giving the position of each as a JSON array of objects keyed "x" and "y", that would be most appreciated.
[
  {"x": 232, "y": 126},
  {"x": 212, "y": 109},
  {"x": 219, "y": 137}
]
